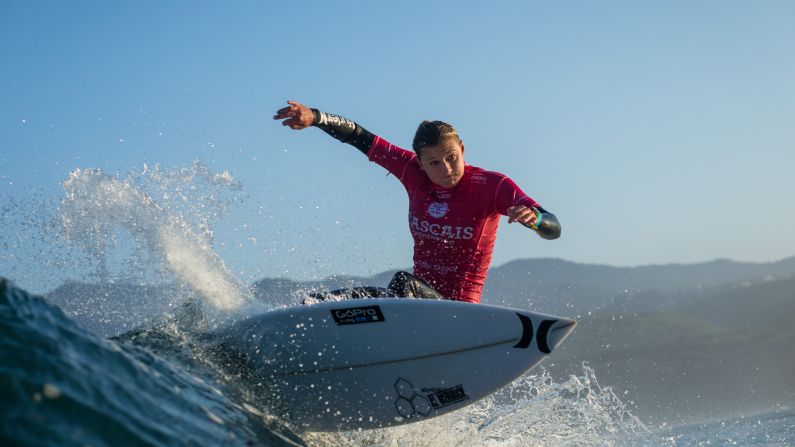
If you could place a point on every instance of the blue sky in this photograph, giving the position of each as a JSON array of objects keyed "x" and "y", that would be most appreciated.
[{"x": 658, "y": 132}]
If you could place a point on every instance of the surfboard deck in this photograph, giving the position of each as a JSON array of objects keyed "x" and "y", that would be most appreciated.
[{"x": 370, "y": 363}]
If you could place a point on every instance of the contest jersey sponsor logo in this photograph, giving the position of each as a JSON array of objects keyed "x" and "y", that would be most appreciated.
[
  {"x": 443, "y": 195},
  {"x": 437, "y": 209},
  {"x": 479, "y": 178},
  {"x": 449, "y": 232},
  {"x": 441, "y": 269}
]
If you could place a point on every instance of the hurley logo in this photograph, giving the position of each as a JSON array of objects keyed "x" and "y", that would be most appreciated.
[{"x": 437, "y": 209}]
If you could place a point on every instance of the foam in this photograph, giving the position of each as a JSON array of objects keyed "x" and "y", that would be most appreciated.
[{"x": 535, "y": 410}]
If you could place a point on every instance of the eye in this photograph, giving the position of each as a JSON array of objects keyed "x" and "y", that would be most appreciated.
[
  {"x": 452, "y": 158},
  {"x": 435, "y": 163}
]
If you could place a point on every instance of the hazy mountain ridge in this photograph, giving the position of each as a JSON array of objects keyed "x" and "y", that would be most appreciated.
[
  {"x": 111, "y": 309},
  {"x": 558, "y": 286},
  {"x": 678, "y": 367},
  {"x": 546, "y": 285}
]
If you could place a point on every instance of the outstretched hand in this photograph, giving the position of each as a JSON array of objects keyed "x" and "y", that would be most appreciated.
[
  {"x": 298, "y": 116},
  {"x": 522, "y": 214}
]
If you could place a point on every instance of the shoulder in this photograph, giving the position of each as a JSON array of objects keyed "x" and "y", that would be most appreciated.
[
  {"x": 399, "y": 162},
  {"x": 382, "y": 145},
  {"x": 485, "y": 178}
]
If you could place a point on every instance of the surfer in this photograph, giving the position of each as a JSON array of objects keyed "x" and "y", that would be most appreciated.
[{"x": 454, "y": 208}]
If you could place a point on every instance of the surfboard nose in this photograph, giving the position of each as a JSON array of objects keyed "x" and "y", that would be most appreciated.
[
  {"x": 559, "y": 331},
  {"x": 548, "y": 334}
]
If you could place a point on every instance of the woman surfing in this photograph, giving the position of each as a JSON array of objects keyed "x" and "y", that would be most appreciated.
[{"x": 454, "y": 208}]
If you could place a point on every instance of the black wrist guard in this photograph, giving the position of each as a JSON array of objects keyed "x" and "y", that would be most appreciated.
[
  {"x": 344, "y": 130},
  {"x": 547, "y": 225}
]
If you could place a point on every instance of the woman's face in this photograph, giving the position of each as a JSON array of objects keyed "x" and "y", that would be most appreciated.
[{"x": 444, "y": 163}]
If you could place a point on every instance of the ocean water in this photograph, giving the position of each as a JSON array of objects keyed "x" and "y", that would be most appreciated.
[
  {"x": 131, "y": 360},
  {"x": 770, "y": 429},
  {"x": 62, "y": 385}
]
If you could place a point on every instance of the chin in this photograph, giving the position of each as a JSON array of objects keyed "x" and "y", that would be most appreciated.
[{"x": 449, "y": 183}]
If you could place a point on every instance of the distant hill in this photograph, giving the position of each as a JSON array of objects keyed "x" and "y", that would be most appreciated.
[
  {"x": 558, "y": 286},
  {"x": 768, "y": 302},
  {"x": 705, "y": 352},
  {"x": 547, "y": 285},
  {"x": 563, "y": 287},
  {"x": 678, "y": 368},
  {"x": 111, "y": 309}
]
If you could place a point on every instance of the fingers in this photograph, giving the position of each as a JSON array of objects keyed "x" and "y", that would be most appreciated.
[
  {"x": 285, "y": 112},
  {"x": 512, "y": 213},
  {"x": 521, "y": 214},
  {"x": 531, "y": 219},
  {"x": 294, "y": 123},
  {"x": 297, "y": 116}
]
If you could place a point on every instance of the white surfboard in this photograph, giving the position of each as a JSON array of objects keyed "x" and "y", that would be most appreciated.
[{"x": 372, "y": 363}]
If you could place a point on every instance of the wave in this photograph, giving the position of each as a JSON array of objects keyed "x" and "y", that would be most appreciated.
[{"x": 63, "y": 385}]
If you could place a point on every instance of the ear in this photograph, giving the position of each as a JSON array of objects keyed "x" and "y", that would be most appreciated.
[
  {"x": 422, "y": 168},
  {"x": 462, "y": 147}
]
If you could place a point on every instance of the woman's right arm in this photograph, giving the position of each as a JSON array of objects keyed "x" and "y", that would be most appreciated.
[
  {"x": 399, "y": 162},
  {"x": 298, "y": 116}
]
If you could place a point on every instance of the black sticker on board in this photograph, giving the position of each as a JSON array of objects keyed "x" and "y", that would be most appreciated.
[
  {"x": 449, "y": 396},
  {"x": 356, "y": 315}
]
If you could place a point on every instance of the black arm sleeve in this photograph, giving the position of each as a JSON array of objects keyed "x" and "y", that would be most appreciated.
[
  {"x": 344, "y": 130},
  {"x": 548, "y": 226}
]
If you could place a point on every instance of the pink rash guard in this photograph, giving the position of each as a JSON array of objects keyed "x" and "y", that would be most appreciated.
[{"x": 454, "y": 229}]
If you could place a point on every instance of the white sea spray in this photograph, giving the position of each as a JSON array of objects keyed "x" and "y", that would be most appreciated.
[
  {"x": 534, "y": 410},
  {"x": 164, "y": 213}
]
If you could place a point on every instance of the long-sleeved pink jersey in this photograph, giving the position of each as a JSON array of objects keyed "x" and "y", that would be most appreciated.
[{"x": 454, "y": 229}]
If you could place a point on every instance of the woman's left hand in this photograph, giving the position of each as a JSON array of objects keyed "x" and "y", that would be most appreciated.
[{"x": 522, "y": 214}]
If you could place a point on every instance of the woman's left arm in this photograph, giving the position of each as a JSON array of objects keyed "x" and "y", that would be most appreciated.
[{"x": 514, "y": 203}]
